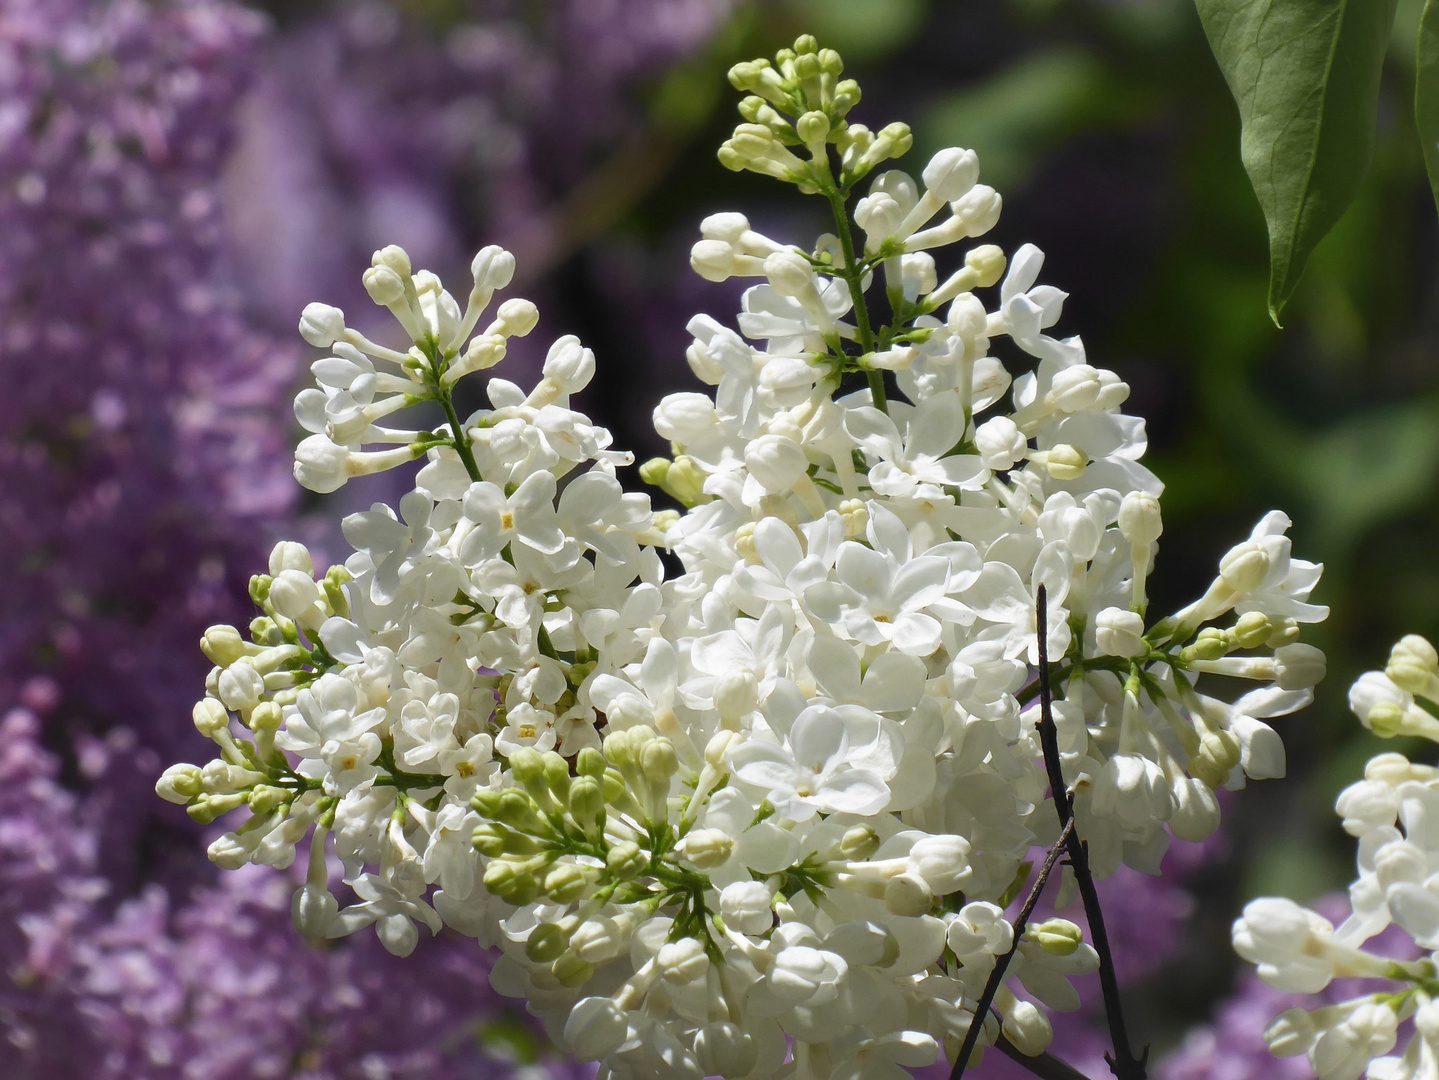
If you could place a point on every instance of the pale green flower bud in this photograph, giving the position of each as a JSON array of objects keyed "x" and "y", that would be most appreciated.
[
  {"x": 626, "y": 860},
  {"x": 1252, "y": 629},
  {"x": 223, "y": 645},
  {"x": 1139, "y": 518},
  {"x": 1058, "y": 937},
  {"x": 1244, "y": 567},
  {"x": 264, "y": 631},
  {"x": 813, "y": 129},
  {"x": 489, "y": 840},
  {"x": 571, "y": 971},
  {"x": 486, "y": 803},
  {"x": 265, "y": 798},
  {"x": 527, "y": 766},
  {"x": 1385, "y": 719},
  {"x": 557, "y": 775},
  {"x": 517, "y": 811},
  {"x": 515, "y": 883},
  {"x": 1211, "y": 644},
  {"x": 546, "y": 943},
  {"x": 210, "y": 717},
  {"x": 859, "y": 842},
  {"x": 1218, "y": 754},
  {"x": 565, "y": 883},
  {"x": 1064, "y": 462},
  {"x": 591, "y": 763},
  {"x": 384, "y": 285},
  {"x": 587, "y": 802},
  {"x": 266, "y": 716},
  {"x": 659, "y": 762},
  {"x": 846, "y": 97},
  {"x": 708, "y": 848},
  {"x": 180, "y": 783},
  {"x": 206, "y": 808}
]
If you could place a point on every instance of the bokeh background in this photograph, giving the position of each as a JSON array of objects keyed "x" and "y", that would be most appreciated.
[{"x": 178, "y": 177}]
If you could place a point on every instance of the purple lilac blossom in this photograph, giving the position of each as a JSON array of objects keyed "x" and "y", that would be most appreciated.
[
  {"x": 370, "y": 127},
  {"x": 142, "y": 439},
  {"x": 48, "y": 894},
  {"x": 144, "y": 458}
]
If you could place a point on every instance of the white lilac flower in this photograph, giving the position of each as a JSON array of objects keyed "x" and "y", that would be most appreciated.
[{"x": 770, "y": 796}]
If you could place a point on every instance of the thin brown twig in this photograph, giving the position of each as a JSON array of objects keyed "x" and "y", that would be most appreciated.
[
  {"x": 1122, "y": 1063},
  {"x": 1001, "y": 965},
  {"x": 1044, "y": 1066}
]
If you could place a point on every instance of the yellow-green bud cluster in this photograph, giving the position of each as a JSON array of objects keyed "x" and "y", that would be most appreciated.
[{"x": 799, "y": 100}]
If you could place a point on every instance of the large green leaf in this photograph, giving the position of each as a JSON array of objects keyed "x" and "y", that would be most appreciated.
[
  {"x": 1426, "y": 92},
  {"x": 1306, "y": 76}
]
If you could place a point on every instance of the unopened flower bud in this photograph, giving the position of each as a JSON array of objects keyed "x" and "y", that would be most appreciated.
[
  {"x": 908, "y": 895},
  {"x": 510, "y": 882},
  {"x": 210, "y": 717},
  {"x": 571, "y": 971},
  {"x": 489, "y": 840},
  {"x": 322, "y": 325},
  {"x": 1000, "y": 443},
  {"x": 384, "y": 285},
  {"x": 591, "y": 763},
  {"x": 517, "y": 317},
  {"x": 492, "y": 267},
  {"x": 1244, "y": 567},
  {"x": 293, "y": 594},
  {"x": 290, "y": 555},
  {"x": 546, "y": 943},
  {"x": 724, "y": 1049},
  {"x": 790, "y": 273},
  {"x": 1119, "y": 632},
  {"x": 1139, "y": 518},
  {"x": 1065, "y": 462},
  {"x": 266, "y": 797},
  {"x": 1027, "y": 1027},
  {"x": 659, "y": 763},
  {"x": 312, "y": 910},
  {"x": 596, "y": 1028},
  {"x": 1058, "y": 937},
  {"x": 565, "y": 883},
  {"x": 180, "y": 783},
  {"x": 708, "y": 848},
  {"x": 1298, "y": 667},
  {"x": 569, "y": 365},
  {"x": 951, "y": 173},
  {"x": 813, "y": 130},
  {"x": 1290, "y": 1033},
  {"x": 746, "y": 906},
  {"x": 1252, "y": 629},
  {"x": 859, "y": 842},
  {"x": 626, "y": 860},
  {"x": 223, "y": 645},
  {"x": 682, "y": 962}
]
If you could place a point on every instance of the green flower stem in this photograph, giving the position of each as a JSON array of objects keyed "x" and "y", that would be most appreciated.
[
  {"x": 445, "y": 396},
  {"x": 853, "y": 273}
]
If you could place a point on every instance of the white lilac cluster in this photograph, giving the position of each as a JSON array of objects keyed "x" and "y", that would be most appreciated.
[
  {"x": 1394, "y": 814},
  {"x": 761, "y": 817}
]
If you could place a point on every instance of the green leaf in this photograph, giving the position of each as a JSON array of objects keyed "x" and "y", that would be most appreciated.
[
  {"x": 1426, "y": 92},
  {"x": 1305, "y": 74}
]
